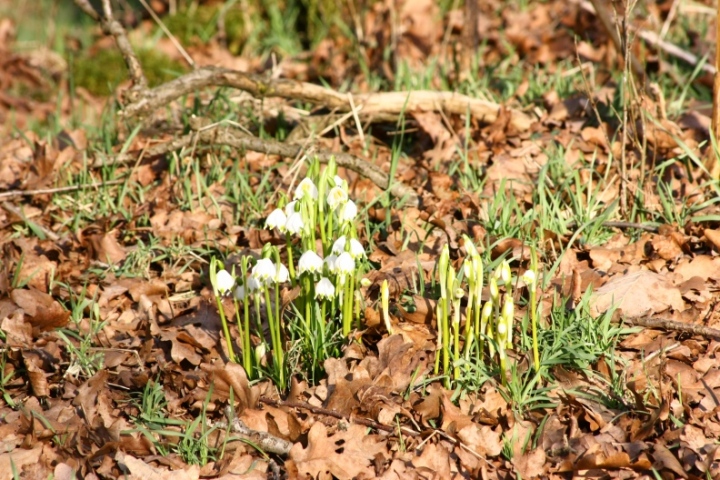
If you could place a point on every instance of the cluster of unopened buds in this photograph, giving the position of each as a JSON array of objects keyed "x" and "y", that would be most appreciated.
[
  {"x": 489, "y": 325},
  {"x": 327, "y": 276}
]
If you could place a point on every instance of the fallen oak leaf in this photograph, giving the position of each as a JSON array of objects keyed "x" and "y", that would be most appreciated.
[
  {"x": 344, "y": 455},
  {"x": 637, "y": 294}
]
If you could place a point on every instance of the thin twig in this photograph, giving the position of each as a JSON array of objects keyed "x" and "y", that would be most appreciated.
[
  {"x": 267, "y": 442},
  {"x": 667, "y": 324},
  {"x": 45, "y": 191},
  {"x": 20, "y": 214}
]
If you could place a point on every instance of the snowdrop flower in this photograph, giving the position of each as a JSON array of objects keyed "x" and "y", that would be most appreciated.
[
  {"x": 324, "y": 289},
  {"x": 494, "y": 291},
  {"x": 345, "y": 263},
  {"x": 340, "y": 182},
  {"x": 239, "y": 293},
  {"x": 330, "y": 263},
  {"x": 253, "y": 284},
  {"x": 339, "y": 245},
  {"x": 503, "y": 272},
  {"x": 336, "y": 197},
  {"x": 224, "y": 282},
  {"x": 264, "y": 270},
  {"x": 348, "y": 212},
  {"x": 310, "y": 262},
  {"x": 282, "y": 274},
  {"x": 276, "y": 219},
  {"x": 290, "y": 208},
  {"x": 294, "y": 223},
  {"x": 306, "y": 188},
  {"x": 529, "y": 277},
  {"x": 356, "y": 249}
]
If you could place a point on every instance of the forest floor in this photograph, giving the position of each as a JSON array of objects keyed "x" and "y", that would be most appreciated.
[{"x": 566, "y": 179}]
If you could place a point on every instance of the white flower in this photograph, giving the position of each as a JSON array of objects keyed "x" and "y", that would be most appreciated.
[
  {"x": 290, "y": 208},
  {"x": 324, "y": 289},
  {"x": 330, "y": 262},
  {"x": 336, "y": 197},
  {"x": 224, "y": 282},
  {"x": 529, "y": 277},
  {"x": 356, "y": 249},
  {"x": 348, "y": 212},
  {"x": 345, "y": 263},
  {"x": 340, "y": 182},
  {"x": 310, "y": 262},
  {"x": 282, "y": 274},
  {"x": 264, "y": 270},
  {"x": 276, "y": 219},
  {"x": 306, "y": 188},
  {"x": 239, "y": 293},
  {"x": 339, "y": 245},
  {"x": 253, "y": 284},
  {"x": 294, "y": 223}
]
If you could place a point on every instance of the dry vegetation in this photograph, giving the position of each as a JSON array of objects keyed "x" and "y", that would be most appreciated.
[{"x": 547, "y": 136}]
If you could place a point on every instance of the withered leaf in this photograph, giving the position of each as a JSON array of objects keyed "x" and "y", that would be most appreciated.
[{"x": 43, "y": 312}]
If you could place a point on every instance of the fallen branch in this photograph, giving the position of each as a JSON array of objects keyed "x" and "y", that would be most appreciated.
[
  {"x": 261, "y": 86},
  {"x": 265, "y": 441},
  {"x": 667, "y": 324},
  {"x": 214, "y": 135},
  {"x": 45, "y": 191}
]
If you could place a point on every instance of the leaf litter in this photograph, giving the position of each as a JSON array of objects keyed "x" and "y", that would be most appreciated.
[{"x": 88, "y": 324}]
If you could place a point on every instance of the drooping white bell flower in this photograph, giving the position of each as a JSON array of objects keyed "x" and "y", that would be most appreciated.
[
  {"x": 282, "y": 274},
  {"x": 529, "y": 277},
  {"x": 329, "y": 262},
  {"x": 290, "y": 208},
  {"x": 339, "y": 245},
  {"x": 337, "y": 197},
  {"x": 294, "y": 223},
  {"x": 306, "y": 188},
  {"x": 224, "y": 282},
  {"x": 324, "y": 289},
  {"x": 310, "y": 262},
  {"x": 348, "y": 211},
  {"x": 264, "y": 270},
  {"x": 345, "y": 264},
  {"x": 276, "y": 219},
  {"x": 356, "y": 249}
]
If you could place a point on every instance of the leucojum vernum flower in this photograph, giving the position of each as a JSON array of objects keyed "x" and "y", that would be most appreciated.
[{"x": 321, "y": 256}]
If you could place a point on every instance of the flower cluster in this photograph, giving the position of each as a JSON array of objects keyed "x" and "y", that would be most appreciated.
[
  {"x": 327, "y": 276},
  {"x": 489, "y": 325}
]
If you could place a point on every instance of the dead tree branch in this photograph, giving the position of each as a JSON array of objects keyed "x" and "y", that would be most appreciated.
[{"x": 263, "y": 87}]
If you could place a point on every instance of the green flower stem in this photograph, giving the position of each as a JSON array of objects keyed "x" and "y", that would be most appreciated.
[
  {"x": 226, "y": 330},
  {"x": 533, "y": 322},
  {"x": 469, "y": 312},
  {"x": 438, "y": 350},
  {"x": 278, "y": 354},
  {"x": 291, "y": 265},
  {"x": 456, "y": 340},
  {"x": 307, "y": 299},
  {"x": 247, "y": 350}
]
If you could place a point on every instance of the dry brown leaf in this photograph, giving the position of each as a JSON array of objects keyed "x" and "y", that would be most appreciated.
[
  {"x": 531, "y": 464},
  {"x": 434, "y": 460},
  {"x": 637, "y": 294},
  {"x": 483, "y": 440},
  {"x": 664, "y": 459},
  {"x": 713, "y": 236},
  {"x": 140, "y": 470},
  {"x": 43, "y": 312},
  {"x": 345, "y": 455}
]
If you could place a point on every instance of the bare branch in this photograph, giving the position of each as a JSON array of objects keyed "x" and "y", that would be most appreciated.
[{"x": 261, "y": 86}]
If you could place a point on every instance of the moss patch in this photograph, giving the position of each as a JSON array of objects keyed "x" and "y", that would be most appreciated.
[
  {"x": 102, "y": 72},
  {"x": 199, "y": 24}
]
